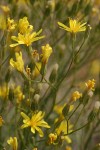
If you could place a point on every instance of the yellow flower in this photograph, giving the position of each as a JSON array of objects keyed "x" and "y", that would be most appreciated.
[
  {"x": 59, "y": 108},
  {"x": 46, "y": 52},
  {"x": 35, "y": 55},
  {"x": 63, "y": 129},
  {"x": 37, "y": 69},
  {"x": 18, "y": 64},
  {"x": 68, "y": 148},
  {"x": 74, "y": 26},
  {"x": 76, "y": 95},
  {"x": 26, "y": 39},
  {"x": 18, "y": 94},
  {"x": 35, "y": 122},
  {"x": 52, "y": 138},
  {"x": 1, "y": 121},
  {"x": 4, "y": 91},
  {"x": 25, "y": 35},
  {"x": 13, "y": 142},
  {"x": 28, "y": 71},
  {"x": 90, "y": 84},
  {"x": 6, "y": 9},
  {"x": 10, "y": 24},
  {"x": 24, "y": 26}
]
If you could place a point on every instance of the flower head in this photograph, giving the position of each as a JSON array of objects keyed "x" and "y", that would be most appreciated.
[
  {"x": 4, "y": 91},
  {"x": 27, "y": 38},
  {"x": 13, "y": 142},
  {"x": 35, "y": 122},
  {"x": 52, "y": 138},
  {"x": 18, "y": 94},
  {"x": 63, "y": 129},
  {"x": 25, "y": 35},
  {"x": 74, "y": 26},
  {"x": 6, "y": 9},
  {"x": 24, "y": 26},
  {"x": 37, "y": 69},
  {"x": 11, "y": 24},
  {"x": 1, "y": 121},
  {"x": 90, "y": 84},
  {"x": 18, "y": 64},
  {"x": 46, "y": 52},
  {"x": 68, "y": 148},
  {"x": 76, "y": 95}
]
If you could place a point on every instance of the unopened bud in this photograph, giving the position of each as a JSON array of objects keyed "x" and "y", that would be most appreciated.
[
  {"x": 66, "y": 110},
  {"x": 39, "y": 87},
  {"x": 97, "y": 105},
  {"x": 90, "y": 93},
  {"x": 8, "y": 75},
  {"x": 92, "y": 115},
  {"x": 36, "y": 98},
  {"x": 87, "y": 32},
  {"x": 11, "y": 94},
  {"x": 28, "y": 102},
  {"x": 53, "y": 74}
]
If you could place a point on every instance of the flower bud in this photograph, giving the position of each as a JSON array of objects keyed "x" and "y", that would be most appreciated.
[
  {"x": 66, "y": 110},
  {"x": 53, "y": 74},
  {"x": 97, "y": 105},
  {"x": 36, "y": 98},
  {"x": 8, "y": 75}
]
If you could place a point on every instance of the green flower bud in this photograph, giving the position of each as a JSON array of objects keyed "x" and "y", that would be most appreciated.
[{"x": 53, "y": 74}]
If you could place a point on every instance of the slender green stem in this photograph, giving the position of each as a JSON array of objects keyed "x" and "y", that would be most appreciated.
[
  {"x": 77, "y": 129},
  {"x": 74, "y": 111},
  {"x": 79, "y": 116},
  {"x": 90, "y": 135},
  {"x": 5, "y": 60}
]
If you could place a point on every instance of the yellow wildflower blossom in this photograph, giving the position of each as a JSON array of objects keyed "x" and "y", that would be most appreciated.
[
  {"x": 52, "y": 138},
  {"x": 76, "y": 95},
  {"x": 90, "y": 84},
  {"x": 24, "y": 26},
  {"x": 28, "y": 71},
  {"x": 37, "y": 69},
  {"x": 59, "y": 108},
  {"x": 18, "y": 64},
  {"x": 74, "y": 26},
  {"x": 35, "y": 148},
  {"x": 18, "y": 94},
  {"x": 2, "y": 22},
  {"x": 6, "y": 9},
  {"x": 4, "y": 91},
  {"x": 13, "y": 142},
  {"x": 35, "y": 55},
  {"x": 35, "y": 122},
  {"x": 68, "y": 148},
  {"x": 10, "y": 24},
  {"x": 46, "y": 52},
  {"x": 1, "y": 121},
  {"x": 63, "y": 129},
  {"x": 26, "y": 39}
]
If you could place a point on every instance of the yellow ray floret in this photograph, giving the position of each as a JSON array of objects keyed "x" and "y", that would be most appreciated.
[
  {"x": 74, "y": 26},
  {"x": 18, "y": 64},
  {"x": 46, "y": 52},
  {"x": 90, "y": 84},
  {"x": 35, "y": 122},
  {"x": 13, "y": 142}
]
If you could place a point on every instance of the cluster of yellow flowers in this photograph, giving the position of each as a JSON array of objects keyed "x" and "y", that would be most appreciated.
[{"x": 25, "y": 35}]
